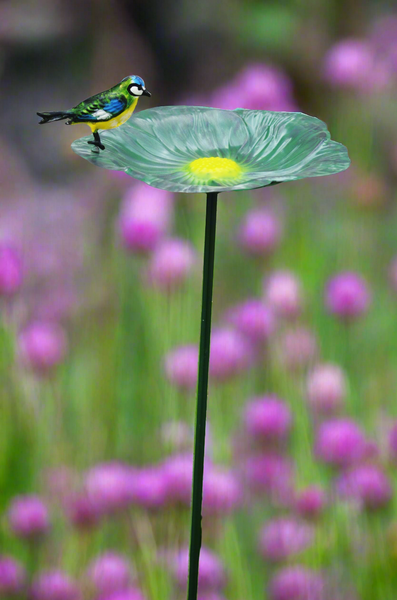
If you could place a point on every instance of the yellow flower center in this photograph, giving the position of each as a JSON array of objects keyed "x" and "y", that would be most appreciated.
[{"x": 215, "y": 167}]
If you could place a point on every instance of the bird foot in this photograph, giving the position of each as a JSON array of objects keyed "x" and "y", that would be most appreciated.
[{"x": 96, "y": 144}]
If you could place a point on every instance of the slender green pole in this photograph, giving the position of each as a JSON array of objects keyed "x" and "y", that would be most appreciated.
[{"x": 202, "y": 390}]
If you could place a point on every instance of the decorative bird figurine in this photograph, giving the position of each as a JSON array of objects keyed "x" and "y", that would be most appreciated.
[{"x": 105, "y": 110}]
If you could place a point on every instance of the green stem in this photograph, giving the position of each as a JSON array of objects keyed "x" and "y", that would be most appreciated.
[{"x": 202, "y": 391}]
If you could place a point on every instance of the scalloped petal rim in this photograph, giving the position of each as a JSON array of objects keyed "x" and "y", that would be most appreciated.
[{"x": 156, "y": 145}]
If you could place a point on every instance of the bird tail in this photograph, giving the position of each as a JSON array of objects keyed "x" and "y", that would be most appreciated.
[{"x": 48, "y": 117}]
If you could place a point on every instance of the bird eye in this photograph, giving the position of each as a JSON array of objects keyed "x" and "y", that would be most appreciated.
[{"x": 135, "y": 90}]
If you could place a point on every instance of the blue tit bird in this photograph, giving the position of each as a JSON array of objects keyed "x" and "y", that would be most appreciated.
[{"x": 105, "y": 110}]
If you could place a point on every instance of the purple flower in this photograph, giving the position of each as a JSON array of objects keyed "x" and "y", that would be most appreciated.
[
  {"x": 42, "y": 346},
  {"x": 28, "y": 517},
  {"x": 145, "y": 217},
  {"x": 110, "y": 486},
  {"x": 257, "y": 87},
  {"x": 340, "y": 442},
  {"x": 211, "y": 571},
  {"x": 170, "y": 264},
  {"x": 150, "y": 487},
  {"x": 260, "y": 232},
  {"x": 109, "y": 573},
  {"x": 272, "y": 474},
  {"x": 282, "y": 291},
  {"x": 230, "y": 354},
  {"x": 12, "y": 577},
  {"x": 347, "y": 296},
  {"x": 178, "y": 471},
  {"x": 266, "y": 85},
  {"x": 353, "y": 63},
  {"x": 181, "y": 366},
  {"x": 54, "y": 585},
  {"x": 10, "y": 270},
  {"x": 326, "y": 389},
  {"x": 297, "y": 348},
  {"x": 83, "y": 510},
  {"x": 296, "y": 583},
  {"x": 254, "y": 320},
  {"x": 367, "y": 484},
  {"x": 284, "y": 537},
  {"x": 310, "y": 502},
  {"x": 268, "y": 418},
  {"x": 221, "y": 491}
]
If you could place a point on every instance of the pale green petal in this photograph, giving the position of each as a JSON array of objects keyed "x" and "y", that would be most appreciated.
[{"x": 158, "y": 144}]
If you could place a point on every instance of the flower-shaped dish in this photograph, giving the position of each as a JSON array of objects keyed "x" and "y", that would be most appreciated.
[{"x": 201, "y": 149}]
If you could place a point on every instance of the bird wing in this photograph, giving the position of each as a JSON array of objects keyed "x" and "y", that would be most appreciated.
[{"x": 100, "y": 108}]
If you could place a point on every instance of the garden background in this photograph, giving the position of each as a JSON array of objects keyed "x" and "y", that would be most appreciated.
[{"x": 100, "y": 289}]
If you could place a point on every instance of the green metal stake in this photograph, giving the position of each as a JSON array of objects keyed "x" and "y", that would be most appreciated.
[{"x": 202, "y": 391}]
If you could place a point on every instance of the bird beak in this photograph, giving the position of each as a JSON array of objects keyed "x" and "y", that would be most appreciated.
[{"x": 146, "y": 93}]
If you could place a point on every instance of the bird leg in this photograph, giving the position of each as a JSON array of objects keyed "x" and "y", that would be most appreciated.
[{"x": 96, "y": 141}]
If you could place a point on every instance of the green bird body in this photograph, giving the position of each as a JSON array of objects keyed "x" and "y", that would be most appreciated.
[{"x": 105, "y": 110}]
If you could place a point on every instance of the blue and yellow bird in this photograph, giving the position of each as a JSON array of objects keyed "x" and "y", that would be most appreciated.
[{"x": 105, "y": 110}]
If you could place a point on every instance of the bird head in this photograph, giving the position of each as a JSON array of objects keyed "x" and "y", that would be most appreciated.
[{"x": 135, "y": 86}]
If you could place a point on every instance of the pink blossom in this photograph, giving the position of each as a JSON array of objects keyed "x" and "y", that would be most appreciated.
[
  {"x": 109, "y": 573},
  {"x": 211, "y": 571},
  {"x": 12, "y": 577},
  {"x": 181, "y": 366},
  {"x": 222, "y": 492},
  {"x": 268, "y": 418},
  {"x": 260, "y": 232},
  {"x": 353, "y": 63},
  {"x": 10, "y": 270},
  {"x": 283, "y": 537},
  {"x": 257, "y": 87},
  {"x": 28, "y": 517},
  {"x": 145, "y": 217},
  {"x": 150, "y": 487},
  {"x": 282, "y": 290},
  {"x": 178, "y": 471},
  {"x": 230, "y": 354},
  {"x": 110, "y": 485},
  {"x": 326, "y": 388},
  {"x": 297, "y": 348},
  {"x": 366, "y": 484},
  {"x": 54, "y": 585},
  {"x": 296, "y": 583},
  {"x": 347, "y": 296},
  {"x": 253, "y": 319},
  {"x": 171, "y": 263},
  {"x": 272, "y": 474},
  {"x": 42, "y": 346},
  {"x": 311, "y": 501},
  {"x": 340, "y": 442}
]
